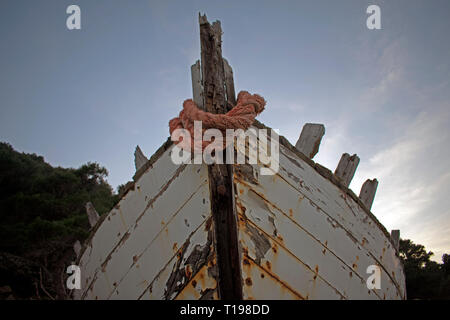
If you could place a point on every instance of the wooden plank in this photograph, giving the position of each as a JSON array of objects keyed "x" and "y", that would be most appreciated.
[
  {"x": 77, "y": 248},
  {"x": 309, "y": 141},
  {"x": 190, "y": 187},
  {"x": 92, "y": 214},
  {"x": 139, "y": 158},
  {"x": 368, "y": 190},
  {"x": 395, "y": 235},
  {"x": 203, "y": 280},
  {"x": 115, "y": 225},
  {"x": 267, "y": 287},
  {"x": 337, "y": 207},
  {"x": 284, "y": 268},
  {"x": 220, "y": 175},
  {"x": 145, "y": 266},
  {"x": 346, "y": 168},
  {"x": 333, "y": 238},
  {"x": 288, "y": 234},
  {"x": 229, "y": 84},
  {"x": 197, "y": 88}
]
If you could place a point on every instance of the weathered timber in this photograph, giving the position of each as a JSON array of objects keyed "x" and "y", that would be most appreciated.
[
  {"x": 77, "y": 248},
  {"x": 229, "y": 84},
  {"x": 309, "y": 141},
  {"x": 346, "y": 168},
  {"x": 197, "y": 89},
  {"x": 220, "y": 175},
  {"x": 368, "y": 190},
  {"x": 92, "y": 214},
  {"x": 395, "y": 236},
  {"x": 139, "y": 158}
]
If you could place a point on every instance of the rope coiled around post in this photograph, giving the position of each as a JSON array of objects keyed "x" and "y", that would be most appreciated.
[{"x": 241, "y": 116}]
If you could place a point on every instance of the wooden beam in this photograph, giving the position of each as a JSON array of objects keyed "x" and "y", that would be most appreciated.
[
  {"x": 368, "y": 190},
  {"x": 77, "y": 248},
  {"x": 92, "y": 214},
  {"x": 346, "y": 168},
  {"x": 309, "y": 141},
  {"x": 197, "y": 89},
  {"x": 395, "y": 236},
  {"x": 220, "y": 175},
  {"x": 229, "y": 85},
  {"x": 139, "y": 158}
]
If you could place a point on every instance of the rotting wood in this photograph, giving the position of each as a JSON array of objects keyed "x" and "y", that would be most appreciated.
[
  {"x": 260, "y": 241},
  {"x": 346, "y": 168},
  {"x": 395, "y": 236},
  {"x": 184, "y": 270},
  {"x": 166, "y": 145},
  {"x": 197, "y": 89},
  {"x": 247, "y": 172},
  {"x": 139, "y": 158},
  {"x": 229, "y": 85},
  {"x": 92, "y": 214},
  {"x": 309, "y": 141},
  {"x": 77, "y": 248},
  {"x": 368, "y": 190},
  {"x": 220, "y": 175}
]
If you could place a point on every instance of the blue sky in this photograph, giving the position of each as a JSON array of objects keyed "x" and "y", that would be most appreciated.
[{"x": 94, "y": 94}]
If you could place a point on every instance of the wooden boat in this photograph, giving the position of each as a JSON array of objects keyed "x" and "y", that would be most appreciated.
[{"x": 198, "y": 231}]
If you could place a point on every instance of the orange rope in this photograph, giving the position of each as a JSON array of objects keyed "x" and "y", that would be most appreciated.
[{"x": 240, "y": 117}]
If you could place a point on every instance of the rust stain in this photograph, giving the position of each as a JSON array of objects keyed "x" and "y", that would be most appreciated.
[
  {"x": 208, "y": 224},
  {"x": 188, "y": 271},
  {"x": 291, "y": 213},
  {"x": 248, "y": 281},
  {"x": 279, "y": 237},
  {"x": 316, "y": 272},
  {"x": 284, "y": 285}
]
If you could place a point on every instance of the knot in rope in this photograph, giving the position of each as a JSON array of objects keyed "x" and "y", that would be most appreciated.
[{"x": 241, "y": 116}]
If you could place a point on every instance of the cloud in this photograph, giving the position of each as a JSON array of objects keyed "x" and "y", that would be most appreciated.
[
  {"x": 405, "y": 147},
  {"x": 414, "y": 181}
]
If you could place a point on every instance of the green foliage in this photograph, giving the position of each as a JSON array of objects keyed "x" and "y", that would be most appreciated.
[
  {"x": 40, "y": 203},
  {"x": 425, "y": 279}
]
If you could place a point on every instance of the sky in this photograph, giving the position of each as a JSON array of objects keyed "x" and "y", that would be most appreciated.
[{"x": 93, "y": 94}]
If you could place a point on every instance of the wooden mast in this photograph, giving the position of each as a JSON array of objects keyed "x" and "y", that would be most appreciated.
[{"x": 218, "y": 96}]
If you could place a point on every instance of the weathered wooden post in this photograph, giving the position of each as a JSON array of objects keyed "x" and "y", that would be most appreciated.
[
  {"x": 139, "y": 158},
  {"x": 216, "y": 94},
  {"x": 395, "y": 236},
  {"x": 346, "y": 168},
  {"x": 92, "y": 214},
  {"x": 368, "y": 190},
  {"x": 309, "y": 141},
  {"x": 197, "y": 87}
]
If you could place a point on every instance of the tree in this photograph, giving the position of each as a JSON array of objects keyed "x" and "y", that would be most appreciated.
[
  {"x": 425, "y": 279},
  {"x": 42, "y": 213}
]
